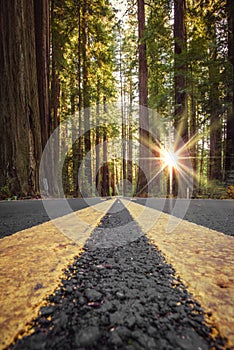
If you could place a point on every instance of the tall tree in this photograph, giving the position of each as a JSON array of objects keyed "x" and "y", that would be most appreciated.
[
  {"x": 180, "y": 114},
  {"x": 42, "y": 31},
  {"x": 123, "y": 116},
  {"x": 130, "y": 75},
  {"x": 214, "y": 104},
  {"x": 161, "y": 85},
  {"x": 180, "y": 70},
  {"x": 215, "y": 118},
  {"x": 20, "y": 122},
  {"x": 142, "y": 188},
  {"x": 86, "y": 95},
  {"x": 229, "y": 159}
]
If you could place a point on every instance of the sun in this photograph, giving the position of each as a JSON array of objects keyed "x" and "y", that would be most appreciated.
[{"x": 170, "y": 158}]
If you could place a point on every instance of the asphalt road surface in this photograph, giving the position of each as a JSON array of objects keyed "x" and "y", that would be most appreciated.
[
  {"x": 215, "y": 214},
  {"x": 19, "y": 215},
  {"x": 125, "y": 297}
]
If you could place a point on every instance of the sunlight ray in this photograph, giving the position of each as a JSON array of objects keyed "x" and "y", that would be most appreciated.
[{"x": 154, "y": 177}]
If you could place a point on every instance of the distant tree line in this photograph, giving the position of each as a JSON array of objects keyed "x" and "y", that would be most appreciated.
[
  {"x": 190, "y": 60},
  {"x": 57, "y": 58}
]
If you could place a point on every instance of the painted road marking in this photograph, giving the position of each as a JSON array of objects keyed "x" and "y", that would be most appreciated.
[
  {"x": 32, "y": 263},
  {"x": 203, "y": 259}
]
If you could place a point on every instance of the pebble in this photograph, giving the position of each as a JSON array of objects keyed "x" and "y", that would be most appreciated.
[
  {"x": 93, "y": 295},
  {"x": 87, "y": 337},
  {"x": 120, "y": 295}
]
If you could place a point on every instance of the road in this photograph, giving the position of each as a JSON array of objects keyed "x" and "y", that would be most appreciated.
[
  {"x": 124, "y": 297},
  {"x": 215, "y": 214},
  {"x": 19, "y": 215},
  {"x": 108, "y": 290}
]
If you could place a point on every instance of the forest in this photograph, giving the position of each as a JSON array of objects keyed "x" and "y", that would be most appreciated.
[{"x": 107, "y": 97}]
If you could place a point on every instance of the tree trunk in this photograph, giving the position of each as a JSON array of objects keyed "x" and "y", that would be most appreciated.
[
  {"x": 181, "y": 118},
  {"x": 180, "y": 70},
  {"x": 130, "y": 140},
  {"x": 54, "y": 104},
  {"x": 20, "y": 124},
  {"x": 215, "y": 171},
  {"x": 142, "y": 188},
  {"x": 201, "y": 163},
  {"x": 124, "y": 149},
  {"x": 123, "y": 130},
  {"x": 86, "y": 102},
  {"x": 42, "y": 37},
  {"x": 80, "y": 100},
  {"x": 105, "y": 191},
  {"x": 193, "y": 130},
  {"x": 55, "y": 84},
  {"x": 97, "y": 140},
  {"x": 74, "y": 143},
  {"x": 77, "y": 144},
  {"x": 229, "y": 161}
]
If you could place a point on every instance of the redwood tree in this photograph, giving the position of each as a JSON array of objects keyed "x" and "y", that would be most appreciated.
[
  {"x": 22, "y": 112},
  {"x": 42, "y": 40},
  {"x": 229, "y": 161},
  {"x": 142, "y": 189},
  {"x": 180, "y": 69},
  {"x": 181, "y": 120}
]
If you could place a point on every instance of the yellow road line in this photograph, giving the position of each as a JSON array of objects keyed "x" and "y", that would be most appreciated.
[
  {"x": 32, "y": 262},
  {"x": 203, "y": 258}
]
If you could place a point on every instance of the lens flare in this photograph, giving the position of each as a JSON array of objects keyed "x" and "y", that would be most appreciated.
[{"x": 170, "y": 158}]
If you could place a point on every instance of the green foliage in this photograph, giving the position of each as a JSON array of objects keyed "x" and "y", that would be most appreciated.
[
  {"x": 216, "y": 190},
  {"x": 159, "y": 41},
  {"x": 99, "y": 51},
  {"x": 111, "y": 55},
  {"x": 5, "y": 191}
]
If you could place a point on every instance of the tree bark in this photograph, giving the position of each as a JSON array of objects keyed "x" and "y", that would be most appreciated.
[
  {"x": 180, "y": 70},
  {"x": 80, "y": 100},
  {"x": 42, "y": 39},
  {"x": 97, "y": 140},
  {"x": 142, "y": 188},
  {"x": 130, "y": 140},
  {"x": 77, "y": 144},
  {"x": 52, "y": 118},
  {"x": 20, "y": 124},
  {"x": 193, "y": 130},
  {"x": 105, "y": 190},
  {"x": 55, "y": 84},
  {"x": 123, "y": 130},
  {"x": 229, "y": 154},
  {"x": 86, "y": 102},
  {"x": 181, "y": 118},
  {"x": 215, "y": 164}
]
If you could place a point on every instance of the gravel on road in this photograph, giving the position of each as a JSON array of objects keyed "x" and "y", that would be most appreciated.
[{"x": 121, "y": 296}]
